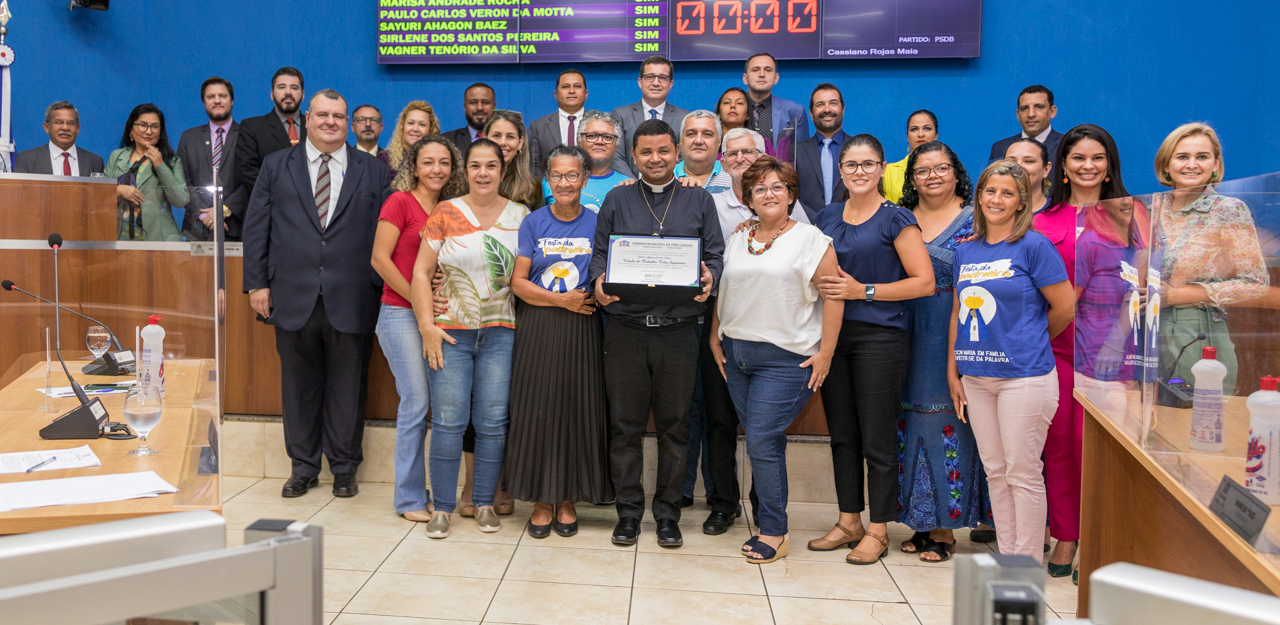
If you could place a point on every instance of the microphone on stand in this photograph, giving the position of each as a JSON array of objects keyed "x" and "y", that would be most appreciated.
[
  {"x": 118, "y": 363},
  {"x": 1177, "y": 392},
  {"x": 87, "y": 419}
]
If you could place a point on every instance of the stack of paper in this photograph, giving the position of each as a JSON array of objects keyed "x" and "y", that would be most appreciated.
[
  {"x": 77, "y": 458},
  {"x": 77, "y": 490}
]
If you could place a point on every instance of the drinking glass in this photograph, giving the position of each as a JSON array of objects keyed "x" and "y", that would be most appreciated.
[
  {"x": 175, "y": 346},
  {"x": 142, "y": 409},
  {"x": 99, "y": 340}
]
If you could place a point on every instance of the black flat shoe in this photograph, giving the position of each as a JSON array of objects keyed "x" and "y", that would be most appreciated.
[
  {"x": 539, "y": 531},
  {"x": 669, "y": 534},
  {"x": 983, "y": 536},
  {"x": 718, "y": 523},
  {"x": 345, "y": 485},
  {"x": 686, "y": 502},
  {"x": 298, "y": 486},
  {"x": 626, "y": 532},
  {"x": 566, "y": 529}
]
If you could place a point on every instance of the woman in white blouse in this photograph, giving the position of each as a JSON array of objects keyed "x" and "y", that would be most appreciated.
[{"x": 771, "y": 272}]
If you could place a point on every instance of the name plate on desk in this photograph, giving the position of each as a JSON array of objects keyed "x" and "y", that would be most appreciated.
[
  {"x": 654, "y": 269},
  {"x": 208, "y": 248},
  {"x": 1240, "y": 509}
]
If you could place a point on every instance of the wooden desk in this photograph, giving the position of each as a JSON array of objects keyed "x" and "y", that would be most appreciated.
[
  {"x": 183, "y": 430},
  {"x": 1148, "y": 507}
]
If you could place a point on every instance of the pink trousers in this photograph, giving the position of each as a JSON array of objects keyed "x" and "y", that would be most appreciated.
[
  {"x": 1062, "y": 458},
  {"x": 1010, "y": 419}
]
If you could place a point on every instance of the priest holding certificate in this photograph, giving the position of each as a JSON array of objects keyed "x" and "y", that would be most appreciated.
[{"x": 657, "y": 257}]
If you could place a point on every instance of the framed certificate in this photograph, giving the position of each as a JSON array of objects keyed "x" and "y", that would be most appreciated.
[{"x": 654, "y": 269}]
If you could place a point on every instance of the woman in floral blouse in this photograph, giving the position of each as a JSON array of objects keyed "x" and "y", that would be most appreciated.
[{"x": 1207, "y": 250}]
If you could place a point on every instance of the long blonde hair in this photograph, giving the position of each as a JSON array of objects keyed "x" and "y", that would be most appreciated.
[
  {"x": 517, "y": 184},
  {"x": 1024, "y": 220},
  {"x": 397, "y": 149}
]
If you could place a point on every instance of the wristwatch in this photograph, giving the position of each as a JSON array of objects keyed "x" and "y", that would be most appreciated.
[{"x": 871, "y": 292}]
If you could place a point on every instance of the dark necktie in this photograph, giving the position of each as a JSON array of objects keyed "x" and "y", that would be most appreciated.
[
  {"x": 66, "y": 164},
  {"x": 293, "y": 131},
  {"x": 572, "y": 140},
  {"x": 322, "y": 189},
  {"x": 217, "y": 150}
]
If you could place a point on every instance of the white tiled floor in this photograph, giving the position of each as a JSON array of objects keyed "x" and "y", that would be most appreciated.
[{"x": 381, "y": 569}]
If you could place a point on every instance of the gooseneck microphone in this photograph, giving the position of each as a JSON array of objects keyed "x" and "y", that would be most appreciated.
[
  {"x": 55, "y": 242},
  {"x": 1200, "y": 336},
  {"x": 8, "y": 285},
  {"x": 1176, "y": 392}
]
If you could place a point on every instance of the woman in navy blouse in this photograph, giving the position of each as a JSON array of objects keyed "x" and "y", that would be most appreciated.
[{"x": 883, "y": 263}]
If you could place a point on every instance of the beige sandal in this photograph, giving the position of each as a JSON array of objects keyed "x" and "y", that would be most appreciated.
[
  {"x": 857, "y": 556},
  {"x": 850, "y": 538}
]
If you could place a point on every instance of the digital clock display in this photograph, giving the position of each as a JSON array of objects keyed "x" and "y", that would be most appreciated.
[{"x": 546, "y": 31}]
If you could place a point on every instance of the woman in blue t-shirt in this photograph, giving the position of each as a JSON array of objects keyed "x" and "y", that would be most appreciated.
[
  {"x": 883, "y": 263},
  {"x": 558, "y": 440},
  {"x": 1012, "y": 297}
]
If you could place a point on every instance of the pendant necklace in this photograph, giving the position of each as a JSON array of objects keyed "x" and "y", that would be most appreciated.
[
  {"x": 641, "y": 184},
  {"x": 751, "y": 239}
]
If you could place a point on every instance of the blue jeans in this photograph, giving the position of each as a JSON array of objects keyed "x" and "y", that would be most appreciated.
[
  {"x": 768, "y": 388},
  {"x": 473, "y": 385},
  {"x": 402, "y": 345}
]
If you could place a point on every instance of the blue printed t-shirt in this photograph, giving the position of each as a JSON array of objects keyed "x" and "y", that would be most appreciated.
[
  {"x": 559, "y": 251},
  {"x": 1003, "y": 330},
  {"x": 593, "y": 195},
  {"x": 866, "y": 252}
]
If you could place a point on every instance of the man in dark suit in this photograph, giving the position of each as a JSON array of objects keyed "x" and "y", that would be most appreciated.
[
  {"x": 61, "y": 156},
  {"x": 477, "y": 102},
  {"x": 817, "y": 158},
  {"x": 784, "y": 122},
  {"x": 657, "y": 75},
  {"x": 366, "y": 125},
  {"x": 264, "y": 135},
  {"x": 560, "y": 127},
  {"x": 308, "y": 239},
  {"x": 201, "y": 149},
  {"x": 1035, "y": 114}
]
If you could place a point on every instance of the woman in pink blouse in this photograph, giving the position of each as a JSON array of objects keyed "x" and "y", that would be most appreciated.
[{"x": 1206, "y": 248}]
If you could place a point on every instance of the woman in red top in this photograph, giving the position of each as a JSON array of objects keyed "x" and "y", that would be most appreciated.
[{"x": 431, "y": 173}]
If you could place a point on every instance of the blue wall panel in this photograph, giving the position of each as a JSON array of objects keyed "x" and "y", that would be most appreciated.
[{"x": 1138, "y": 68}]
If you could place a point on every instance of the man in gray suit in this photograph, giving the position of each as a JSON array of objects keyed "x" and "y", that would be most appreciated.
[
  {"x": 60, "y": 156},
  {"x": 561, "y": 127},
  {"x": 200, "y": 149},
  {"x": 657, "y": 74}
]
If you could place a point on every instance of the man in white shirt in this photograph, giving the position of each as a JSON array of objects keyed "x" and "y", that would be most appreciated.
[
  {"x": 61, "y": 156},
  {"x": 1035, "y": 111},
  {"x": 657, "y": 76},
  {"x": 561, "y": 127},
  {"x": 742, "y": 147}
]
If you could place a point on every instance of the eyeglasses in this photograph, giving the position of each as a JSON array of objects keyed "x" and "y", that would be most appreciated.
[
  {"x": 777, "y": 190},
  {"x": 145, "y": 127},
  {"x": 744, "y": 153},
  {"x": 571, "y": 177},
  {"x": 852, "y": 167},
  {"x": 367, "y": 120},
  {"x": 923, "y": 172},
  {"x": 655, "y": 77},
  {"x": 599, "y": 137}
]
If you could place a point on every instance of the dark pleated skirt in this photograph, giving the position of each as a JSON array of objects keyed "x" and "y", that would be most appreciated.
[{"x": 558, "y": 438}]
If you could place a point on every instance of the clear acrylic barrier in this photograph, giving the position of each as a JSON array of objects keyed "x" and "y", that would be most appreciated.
[
  {"x": 119, "y": 284},
  {"x": 1159, "y": 273}
]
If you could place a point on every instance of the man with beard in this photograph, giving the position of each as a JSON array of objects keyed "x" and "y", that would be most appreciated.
[
  {"x": 784, "y": 122},
  {"x": 308, "y": 239},
  {"x": 699, "y": 142},
  {"x": 651, "y": 350},
  {"x": 61, "y": 156},
  {"x": 657, "y": 75},
  {"x": 261, "y": 136},
  {"x": 599, "y": 135},
  {"x": 366, "y": 125},
  {"x": 203, "y": 148},
  {"x": 477, "y": 102},
  {"x": 817, "y": 156}
]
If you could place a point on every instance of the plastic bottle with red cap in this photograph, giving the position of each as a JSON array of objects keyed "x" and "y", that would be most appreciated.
[
  {"x": 151, "y": 367},
  {"x": 1206, "y": 403},
  {"x": 1262, "y": 460}
]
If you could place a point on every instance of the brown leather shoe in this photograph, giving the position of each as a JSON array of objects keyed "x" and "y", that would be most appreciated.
[
  {"x": 417, "y": 516},
  {"x": 851, "y": 537},
  {"x": 857, "y": 556}
]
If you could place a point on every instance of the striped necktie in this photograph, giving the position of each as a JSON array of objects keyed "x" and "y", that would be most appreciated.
[
  {"x": 322, "y": 190},
  {"x": 217, "y": 150}
]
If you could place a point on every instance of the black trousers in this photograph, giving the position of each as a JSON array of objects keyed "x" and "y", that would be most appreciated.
[
  {"x": 722, "y": 427},
  {"x": 649, "y": 369},
  {"x": 862, "y": 397},
  {"x": 323, "y": 374}
]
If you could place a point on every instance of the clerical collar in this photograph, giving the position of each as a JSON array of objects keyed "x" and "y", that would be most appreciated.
[{"x": 659, "y": 188}]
